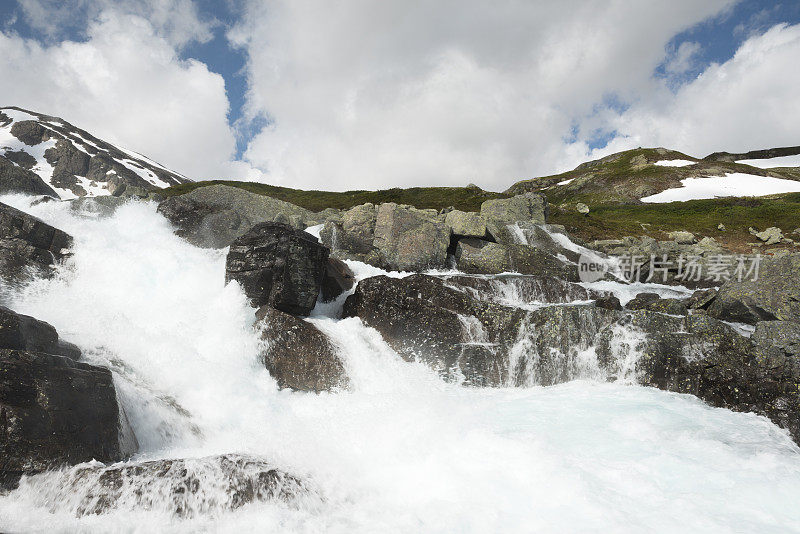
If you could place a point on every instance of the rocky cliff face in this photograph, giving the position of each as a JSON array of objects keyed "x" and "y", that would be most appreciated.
[{"x": 46, "y": 155}]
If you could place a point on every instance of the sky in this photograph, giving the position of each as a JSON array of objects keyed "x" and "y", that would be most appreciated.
[{"x": 359, "y": 94}]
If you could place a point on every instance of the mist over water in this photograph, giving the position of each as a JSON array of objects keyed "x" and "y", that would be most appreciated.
[{"x": 402, "y": 450}]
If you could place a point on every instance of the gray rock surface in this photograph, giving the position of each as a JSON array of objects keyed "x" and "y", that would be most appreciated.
[
  {"x": 409, "y": 239},
  {"x": 501, "y": 212},
  {"x": 18, "y": 179},
  {"x": 214, "y": 216},
  {"x": 483, "y": 257},
  {"x": 23, "y": 332}
]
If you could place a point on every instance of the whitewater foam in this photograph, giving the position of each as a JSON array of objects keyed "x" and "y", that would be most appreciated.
[{"x": 402, "y": 450}]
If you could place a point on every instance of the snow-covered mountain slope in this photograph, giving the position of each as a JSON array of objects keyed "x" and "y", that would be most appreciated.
[{"x": 46, "y": 155}]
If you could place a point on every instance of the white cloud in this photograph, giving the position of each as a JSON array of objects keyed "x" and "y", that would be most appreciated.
[
  {"x": 126, "y": 84},
  {"x": 400, "y": 92},
  {"x": 749, "y": 102},
  {"x": 683, "y": 58}
]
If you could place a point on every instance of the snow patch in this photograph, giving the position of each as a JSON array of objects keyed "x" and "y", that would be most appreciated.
[
  {"x": 784, "y": 161},
  {"x": 674, "y": 163},
  {"x": 730, "y": 185}
]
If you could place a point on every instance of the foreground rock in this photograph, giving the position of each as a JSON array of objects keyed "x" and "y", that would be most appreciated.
[
  {"x": 28, "y": 246},
  {"x": 183, "y": 488},
  {"x": 54, "y": 412},
  {"x": 279, "y": 266},
  {"x": 775, "y": 295},
  {"x": 214, "y": 216},
  {"x": 297, "y": 354},
  {"x": 23, "y": 332}
]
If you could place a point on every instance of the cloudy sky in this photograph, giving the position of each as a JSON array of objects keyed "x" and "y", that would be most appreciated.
[{"x": 374, "y": 94}]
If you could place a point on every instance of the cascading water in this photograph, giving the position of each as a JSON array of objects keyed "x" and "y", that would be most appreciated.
[{"x": 401, "y": 450}]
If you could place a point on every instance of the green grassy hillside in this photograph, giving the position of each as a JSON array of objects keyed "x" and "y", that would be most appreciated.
[{"x": 462, "y": 198}]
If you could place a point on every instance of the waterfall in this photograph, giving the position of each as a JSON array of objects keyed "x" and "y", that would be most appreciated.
[{"x": 400, "y": 451}]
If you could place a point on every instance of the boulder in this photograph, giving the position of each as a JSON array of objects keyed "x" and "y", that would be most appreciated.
[
  {"x": 214, "y": 216},
  {"x": 701, "y": 299},
  {"x": 771, "y": 236},
  {"x": 466, "y": 224},
  {"x": 424, "y": 319},
  {"x": 682, "y": 237},
  {"x": 297, "y": 354},
  {"x": 54, "y": 412},
  {"x": 279, "y": 266},
  {"x": 30, "y": 132},
  {"x": 15, "y": 178},
  {"x": 23, "y": 332},
  {"x": 608, "y": 302},
  {"x": 501, "y": 212},
  {"x": 476, "y": 256},
  {"x": 183, "y": 488},
  {"x": 654, "y": 302},
  {"x": 351, "y": 235},
  {"x": 582, "y": 208},
  {"x": 28, "y": 246},
  {"x": 774, "y": 295},
  {"x": 778, "y": 344},
  {"x": 409, "y": 239},
  {"x": 338, "y": 279}
]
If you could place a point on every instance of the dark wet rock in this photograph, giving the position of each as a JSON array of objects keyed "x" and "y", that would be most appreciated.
[
  {"x": 701, "y": 299},
  {"x": 642, "y": 300},
  {"x": 549, "y": 342},
  {"x": 654, "y": 302},
  {"x": 279, "y": 266},
  {"x": 53, "y": 412},
  {"x": 476, "y": 256},
  {"x": 28, "y": 245},
  {"x": 410, "y": 239},
  {"x": 297, "y": 354},
  {"x": 16, "y": 179},
  {"x": 608, "y": 302},
  {"x": 338, "y": 279},
  {"x": 23, "y": 332},
  {"x": 775, "y": 295},
  {"x": 525, "y": 289},
  {"x": 778, "y": 344},
  {"x": 184, "y": 488},
  {"x": 424, "y": 319},
  {"x": 214, "y": 216},
  {"x": 499, "y": 213}
]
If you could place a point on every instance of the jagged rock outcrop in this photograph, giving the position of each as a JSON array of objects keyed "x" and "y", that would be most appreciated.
[
  {"x": 53, "y": 412},
  {"x": 775, "y": 295},
  {"x": 476, "y": 256},
  {"x": 297, "y": 354},
  {"x": 500, "y": 213},
  {"x": 71, "y": 161},
  {"x": 16, "y": 176},
  {"x": 28, "y": 246},
  {"x": 279, "y": 266},
  {"x": 183, "y": 488},
  {"x": 654, "y": 302},
  {"x": 214, "y": 216},
  {"x": 23, "y": 332}
]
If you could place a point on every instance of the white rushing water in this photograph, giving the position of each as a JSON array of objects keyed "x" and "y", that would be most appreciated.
[{"x": 401, "y": 451}]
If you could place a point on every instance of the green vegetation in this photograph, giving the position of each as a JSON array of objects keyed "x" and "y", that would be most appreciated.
[
  {"x": 700, "y": 217},
  {"x": 462, "y": 198}
]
